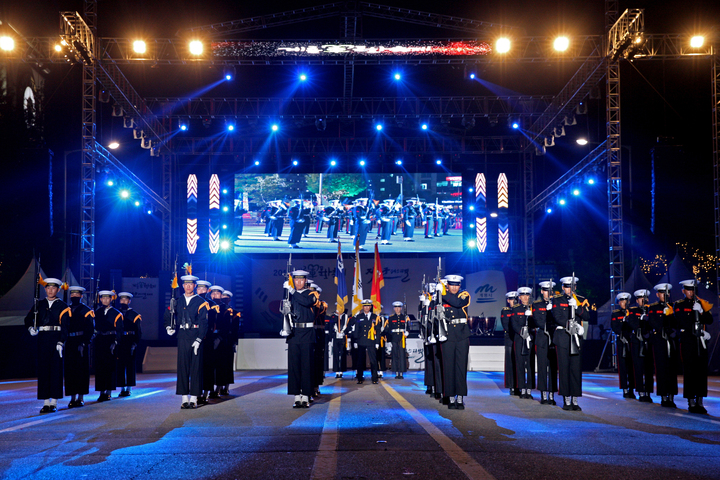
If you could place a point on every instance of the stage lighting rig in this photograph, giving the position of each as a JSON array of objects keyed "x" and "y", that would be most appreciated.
[
  {"x": 468, "y": 123},
  {"x": 321, "y": 124},
  {"x": 195, "y": 47},
  {"x": 561, "y": 44},
  {"x": 502, "y": 45},
  {"x": 229, "y": 73},
  {"x": 117, "y": 111},
  {"x": 139, "y": 46},
  {"x": 7, "y": 43},
  {"x": 697, "y": 41}
]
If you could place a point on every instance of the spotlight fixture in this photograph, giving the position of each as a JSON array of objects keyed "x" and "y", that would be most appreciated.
[
  {"x": 397, "y": 76},
  {"x": 561, "y": 44},
  {"x": 582, "y": 141},
  {"x": 471, "y": 243},
  {"x": 295, "y": 163},
  {"x": 321, "y": 124},
  {"x": 362, "y": 163},
  {"x": 58, "y": 47},
  {"x": 468, "y": 123},
  {"x": 124, "y": 193},
  {"x": 225, "y": 208},
  {"x": 562, "y": 201},
  {"x": 139, "y": 46},
  {"x": 472, "y": 76},
  {"x": 438, "y": 161},
  {"x": 257, "y": 162},
  {"x": 230, "y": 127},
  {"x": 274, "y": 127},
  {"x": 136, "y": 203},
  {"x": 229, "y": 73},
  {"x": 515, "y": 125},
  {"x": 591, "y": 181},
  {"x": 576, "y": 191},
  {"x": 224, "y": 244},
  {"x": 207, "y": 122},
  {"x": 494, "y": 215},
  {"x": 196, "y": 47},
  {"x": 548, "y": 210},
  {"x": 502, "y": 45},
  {"x": 113, "y": 145},
  {"x": 471, "y": 208},
  {"x": 224, "y": 191},
  {"x": 398, "y": 162},
  {"x": 424, "y": 126},
  {"x": 333, "y": 163},
  {"x": 302, "y": 77},
  {"x": 224, "y": 227},
  {"x": 183, "y": 126},
  {"x": 379, "y": 127},
  {"x": 7, "y": 43},
  {"x": 697, "y": 41}
]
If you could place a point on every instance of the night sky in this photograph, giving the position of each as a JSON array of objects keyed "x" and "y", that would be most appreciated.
[{"x": 667, "y": 101}]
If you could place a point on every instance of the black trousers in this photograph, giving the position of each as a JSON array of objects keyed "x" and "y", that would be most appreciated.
[
  {"x": 438, "y": 368},
  {"x": 642, "y": 365},
  {"x": 524, "y": 364},
  {"x": 569, "y": 366},
  {"x": 339, "y": 355},
  {"x": 547, "y": 377},
  {"x": 695, "y": 361},
  {"x": 319, "y": 358},
  {"x": 381, "y": 361},
  {"x": 77, "y": 367},
  {"x": 455, "y": 363},
  {"x": 372, "y": 354},
  {"x": 126, "y": 362},
  {"x": 398, "y": 355},
  {"x": 105, "y": 363},
  {"x": 50, "y": 366},
  {"x": 189, "y": 365},
  {"x": 626, "y": 374},
  {"x": 224, "y": 357},
  {"x": 510, "y": 381},
  {"x": 665, "y": 364},
  {"x": 300, "y": 368},
  {"x": 429, "y": 377},
  {"x": 209, "y": 355}
]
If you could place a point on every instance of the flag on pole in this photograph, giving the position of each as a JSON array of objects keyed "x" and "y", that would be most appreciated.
[
  {"x": 342, "y": 294},
  {"x": 357, "y": 282},
  {"x": 378, "y": 282}
]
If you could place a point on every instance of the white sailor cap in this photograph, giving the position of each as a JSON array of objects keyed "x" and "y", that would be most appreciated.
[
  {"x": 316, "y": 287},
  {"x": 641, "y": 293},
  {"x": 125, "y": 294},
  {"x": 511, "y": 295},
  {"x": 300, "y": 274},
  {"x": 568, "y": 281},
  {"x": 189, "y": 278},
  {"x": 227, "y": 293},
  {"x": 367, "y": 301},
  {"x": 203, "y": 283},
  {"x": 363, "y": 200},
  {"x": 689, "y": 284},
  {"x": 663, "y": 287},
  {"x": 397, "y": 304},
  {"x": 53, "y": 281},
  {"x": 217, "y": 287},
  {"x": 622, "y": 296},
  {"x": 524, "y": 291},
  {"x": 453, "y": 279},
  {"x": 106, "y": 293},
  {"x": 547, "y": 285},
  {"x": 76, "y": 288}
]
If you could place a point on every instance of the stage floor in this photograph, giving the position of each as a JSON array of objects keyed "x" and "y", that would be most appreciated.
[{"x": 390, "y": 430}]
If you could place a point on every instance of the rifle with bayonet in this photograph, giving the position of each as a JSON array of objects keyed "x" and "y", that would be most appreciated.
[
  {"x": 173, "y": 296},
  {"x": 439, "y": 310},
  {"x": 37, "y": 293},
  {"x": 286, "y": 308},
  {"x": 572, "y": 327}
]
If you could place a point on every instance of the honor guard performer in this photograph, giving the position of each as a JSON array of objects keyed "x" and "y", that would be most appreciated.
[
  {"x": 457, "y": 347},
  {"x": 524, "y": 343},
  {"x": 81, "y": 327},
  {"x": 692, "y": 314},
  {"x": 108, "y": 329},
  {"x": 364, "y": 327},
  {"x": 47, "y": 320},
  {"x": 506, "y": 315},
  {"x": 190, "y": 313},
  {"x": 301, "y": 341},
  {"x": 663, "y": 340},
  {"x": 132, "y": 333},
  {"x": 545, "y": 350},
  {"x": 620, "y": 323},
  {"x": 642, "y": 354},
  {"x": 569, "y": 311},
  {"x": 338, "y": 328},
  {"x": 225, "y": 344},
  {"x": 211, "y": 341},
  {"x": 398, "y": 328}
]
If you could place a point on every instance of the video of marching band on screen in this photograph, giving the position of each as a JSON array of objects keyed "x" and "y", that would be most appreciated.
[{"x": 419, "y": 212}]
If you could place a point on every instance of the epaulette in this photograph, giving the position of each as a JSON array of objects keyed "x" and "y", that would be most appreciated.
[
  {"x": 463, "y": 294},
  {"x": 617, "y": 311},
  {"x": 653, "y": 304}
]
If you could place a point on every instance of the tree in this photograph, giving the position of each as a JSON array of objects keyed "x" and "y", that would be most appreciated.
[
  {"x": 261, "y": 188},
  {"x": 336, "y": 186}
]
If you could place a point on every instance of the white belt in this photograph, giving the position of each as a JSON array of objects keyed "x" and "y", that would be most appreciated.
[
  {"x": 462, "y": 320},
  {"x": 188, "y": 326},
  {"x": 53, "y": 328},
  {"x": 559, "y": 328},
  {"x": 304, "y": 325},
  {"x": 397, "y": 330},
  {"x": 75, "y": 334}
]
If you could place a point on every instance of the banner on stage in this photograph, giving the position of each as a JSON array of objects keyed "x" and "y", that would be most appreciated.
[
  {"x": 145, "y": 301},
  {"x": 487, "y": 289}
]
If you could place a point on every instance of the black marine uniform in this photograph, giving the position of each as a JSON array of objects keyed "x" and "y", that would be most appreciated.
[
  {"x": 620, "y": 323},
  {"x": 108, "y": 329},
  {"x": 52, "y": 322},
  {"x": 127, "y": 346},
  {"x": 456, "y": 349},
  {"x": 80, "y": 326}
]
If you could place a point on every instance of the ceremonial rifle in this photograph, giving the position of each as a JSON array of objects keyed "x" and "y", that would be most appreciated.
[
  {"x": 37, "y": 292},
  {"x": 439, "y": 310},
  {"x": 286, "y": 308},
  {"x": 173, "y": 296},
  {"x": 96, "y": 299},
  {"x": 572, "y": 325}
]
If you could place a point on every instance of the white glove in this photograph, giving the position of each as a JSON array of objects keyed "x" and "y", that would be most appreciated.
[
  {"x": 112, "y": 347},
  {"x": 302, "y": 220},
  {"x": 388, "y": 348},
  {"x": 549, "y": 306},
  {"x": 285, "y": 308},
  {"x": 427, "y": 302},
  {"x": 406, "y": 333},
  {"x": 431, "y": 288},
  {"x": 273, "y": 218},
  {"x": 642, "y": 317},
  {"x": 407, "y": 222},
  {"x": 697, "y": 307},
  {"x": 581, "y": 330},
  {"x": 81, "y": 349},
  {"x": 366, "y": 221},
  {"x": 170, "y": 331},
  {"x": 444, "y": 282},
  {"x": 59, "y": 349},
  {"x": 706, "y": 336},
  {"x": 422, "y": 298},
  {"x": 668, "y": 310},
  {"x": 195, "y": 346},
  {"x": 377, "y": 345},
  {"x": 216, "y": 344},
  {"x": 423, "y": 223},
  {"x": 32, "y": 331},
  {"x": 355, "y": 345},
  {"x": 528, "y": 312},
  {"x": 235, "y": 348},
  {"x": 572, "y": 302}
]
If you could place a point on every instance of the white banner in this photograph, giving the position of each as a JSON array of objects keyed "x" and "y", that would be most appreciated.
[
  {"x": 145, "y": 301},
  {"x": 487, "y": 289},
  {"x": 403, "y": 278}
]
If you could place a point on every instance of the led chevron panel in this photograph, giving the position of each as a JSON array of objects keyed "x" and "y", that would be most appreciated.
[
  {"x": 214, "y": 234},
  {"x": 502, "y": 191},
  {"x": 481, "y": 234},
  {"x": 192, "y": 197},
  {"x": 480, "y": 188},
  {"x": 504, "y": 237}
]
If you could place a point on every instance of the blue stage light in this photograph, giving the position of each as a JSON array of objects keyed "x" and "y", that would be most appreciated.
[
  {"x": 333, "y": 163},
  {"x": 149, "y": 211},
  {"x": 231, "y": 127},
  {"x": 397, "y": 76},
  {"x": 515, "y": 125},
  {"x": 225, "y": 209},
  {"x": 228, "y": 76},
  {"x": 224, "y": 244},
  {"x": 471, "y": 189},
  {"x": 362, "y": 163},
  {"x": 471, "y": 208},
  {"x": 257, "y": 162},
  {"x": 224, "y": 191},
  {"x": 125, "y": 194},
  {"x": 576, "y": 192},
  {"x": 295, "y": 163},
  {"x": 398, "y": 162},
  {"x": 137, "y": 203},
  {"x": 471, "y": 243},
  {"x": 562, "y": 201},
  {"x": 303, "y": 77},
  {"x": 183, "y": 127},
  {"x": 224, "y": 227},
  {"x": 591, "y": 181},
  {"x": 274, "y": 127},
  {"x": 549, "y": 210},
  {"x": 378, "y": 127},
  {"x": 110, "y": 183},
  {"x": 438, "y": 161},
  {"x": 424, "y": 126}
]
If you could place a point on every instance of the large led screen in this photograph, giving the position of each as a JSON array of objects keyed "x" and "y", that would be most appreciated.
[{"x": 311, "y": 213}]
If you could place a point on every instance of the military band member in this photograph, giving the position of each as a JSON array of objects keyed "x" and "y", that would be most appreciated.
[
  {"x": 301, "y": 341},
  {"x": 361, "y": 221},
  {"x": 108, "y": 330},
  {"x": 642, "y": 354},
  {"x": 569, "y": 311},
  {"x": 663, "y": 340},
  {"x": 398, "y": 331},
  {"x": 621, "y": 325},
  {"x": 409, "y": 214},
  {"x": 423, "y": 316},
  {"x": 319, "y": 354},
  {"x": 127, "y": 346},
  {"x": 436, "y": 351},
  {"x": 366, "y": 332},
  {"x": 385, "y": 213},
  {"x": 277, "y": 217},
  {"x": 457, "y": 347},
  {"x": 81, "y": 326},
  {"x": 51, "y": 329},
  {"x": 545, "y": 350},
  {"x": 692, "y": 314},
  {"x": 337, "y": 328},
  {"x": 211, "y": 342},
  {"x": 298, "y": 222},
  {"x": 191, "y": 313},
  {"x": 523, "y": 327},
  {"x": 506, "y": 315},
  {"x": 225, "y": 343}
]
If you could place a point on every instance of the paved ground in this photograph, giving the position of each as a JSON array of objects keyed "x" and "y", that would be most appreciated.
[
  {"x": 391, "y": 430},
  {"x": 254, "y": 240}
]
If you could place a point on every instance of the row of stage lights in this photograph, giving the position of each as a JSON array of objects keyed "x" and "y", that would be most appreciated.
[
  {"x": 334, "y": 162},
  {"x": 503, "y": 45}
]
